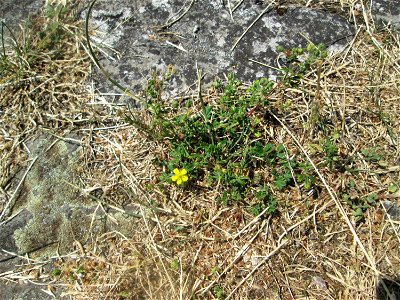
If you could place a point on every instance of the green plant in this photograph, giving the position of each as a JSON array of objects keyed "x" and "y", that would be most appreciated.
[
  {"x": 11, "y": 65},
  {"x": 358, "y": 204},
  {"x": 392, "y": 188},
  {"x": 299, "y": 61},
  {"x": 306, "y": 175},
  {"x": 175, "y": 265},
  {"x": 221, "y": 144},
  {"x": 40, "y": 41},
  {"x": 218, "y": 292},
  {"x": 124, "y": 294},
  {"x": 371, "y": 154},
  {"x": 80, "y": 270},
  {"x": 156, "y": 84},
  {"x": 215, "y": 270},
  {"x": 264, "y": 201},
  {"x": 56, "y": 272},
  {"x": 331, "y": 151}
]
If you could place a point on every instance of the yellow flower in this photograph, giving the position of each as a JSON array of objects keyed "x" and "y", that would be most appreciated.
[{"x": 180, "y": 176}]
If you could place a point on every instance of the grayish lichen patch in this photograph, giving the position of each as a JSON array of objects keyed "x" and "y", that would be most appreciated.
[
  {"x": 54, "y": 211},
  {"x": 60, "y": 215},
  {"x": 204, "y": 37}
]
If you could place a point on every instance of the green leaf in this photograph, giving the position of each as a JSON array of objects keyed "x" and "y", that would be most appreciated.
[
  {"x": 371, "y": 198},
  {"x": 280, "y": 183},
  {"x": 392, "y": 188}
]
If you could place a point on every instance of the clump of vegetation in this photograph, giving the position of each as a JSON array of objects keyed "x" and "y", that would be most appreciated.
[
  {"x": 299, "y": 60},
  {"x": 359, "y": 204},
  {"x": 224, "y": 144}
]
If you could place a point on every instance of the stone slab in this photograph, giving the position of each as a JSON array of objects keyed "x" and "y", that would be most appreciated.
[
  {"x": 202, "y": 38},
  {"x": 49, "y": 212}
]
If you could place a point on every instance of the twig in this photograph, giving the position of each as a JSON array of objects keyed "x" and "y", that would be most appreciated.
[
  {"x": 268, "y": 8},
  {"x": 158, "y": 252},
  {"x": 265, "y": 65},
  {"x": 180, "y": 47},
  {"x": 241, "y": 252},
  {"x": 272, "y": 253},
  {"x": 255, "y": 220},
  {"x": 281, "y": 243},
  {"x": 230, "y": 10},
  {"x": 179, "y": 17},
  {"x": 237, "y": 5}
]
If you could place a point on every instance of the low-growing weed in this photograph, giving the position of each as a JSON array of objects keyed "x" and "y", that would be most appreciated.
[
  {"x": 224, "y": 144},
  {"x": 218, "y": 292},
  {"x": 392, "y": 187},
  {"x": 331, "y": 152},
  {"x": 359, "y": 203},
  {"x": 299, "y": 60},
  {"x": 175, "y": 265},
  {"x": 264, "y": 201},
  {"x": 371, "y": 154}
]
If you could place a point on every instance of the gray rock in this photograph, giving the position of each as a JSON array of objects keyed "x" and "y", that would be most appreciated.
[
  {"x": 205, "y": 37},
  {"x": 388, "y": 289},
  {"x": 22, "y": 292},
  {"x": 391, "y": 210},
  {"x": 14, "y": 12},
  {"x": 7, "y": 230},
  {"x": 51, "y": 193},
  {"x": 387, "y": 12},
  {"x": 49, "y": 212}
]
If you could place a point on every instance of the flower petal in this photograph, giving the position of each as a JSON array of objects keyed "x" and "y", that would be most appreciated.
[
  {"x": 176, "y": 171},
  {"x": 179, "y": 181},
  {"x": 183, "y": 172},
  {"x": 174, "y": 178},
  {"x": 184, "y": 178}
]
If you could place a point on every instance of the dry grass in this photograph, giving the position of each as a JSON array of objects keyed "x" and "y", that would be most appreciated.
[
  {"x": 185, "y": 245},
  {"x": 42, "y": 86}
]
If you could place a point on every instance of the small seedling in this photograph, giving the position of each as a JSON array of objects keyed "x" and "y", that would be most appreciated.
[
  {"x": 218, "y": 292},
  {"x": 358, "y": 204},
  {"x": 392, "y": 188},
  {"x": 264, "y": 201},
  {"x": 56, "y": 272},
  {"x": 175, "y": 265},
  {"x": 331, "y": 152},
  {"x": 124, "y": 295},
  {"x": 215, "y": 270},
  {"x": 371, "y": 154},
  {"x": 306, "y": 176},
  {"x": 80, "y": 270},
  {"x": 299, "y": 61}
]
